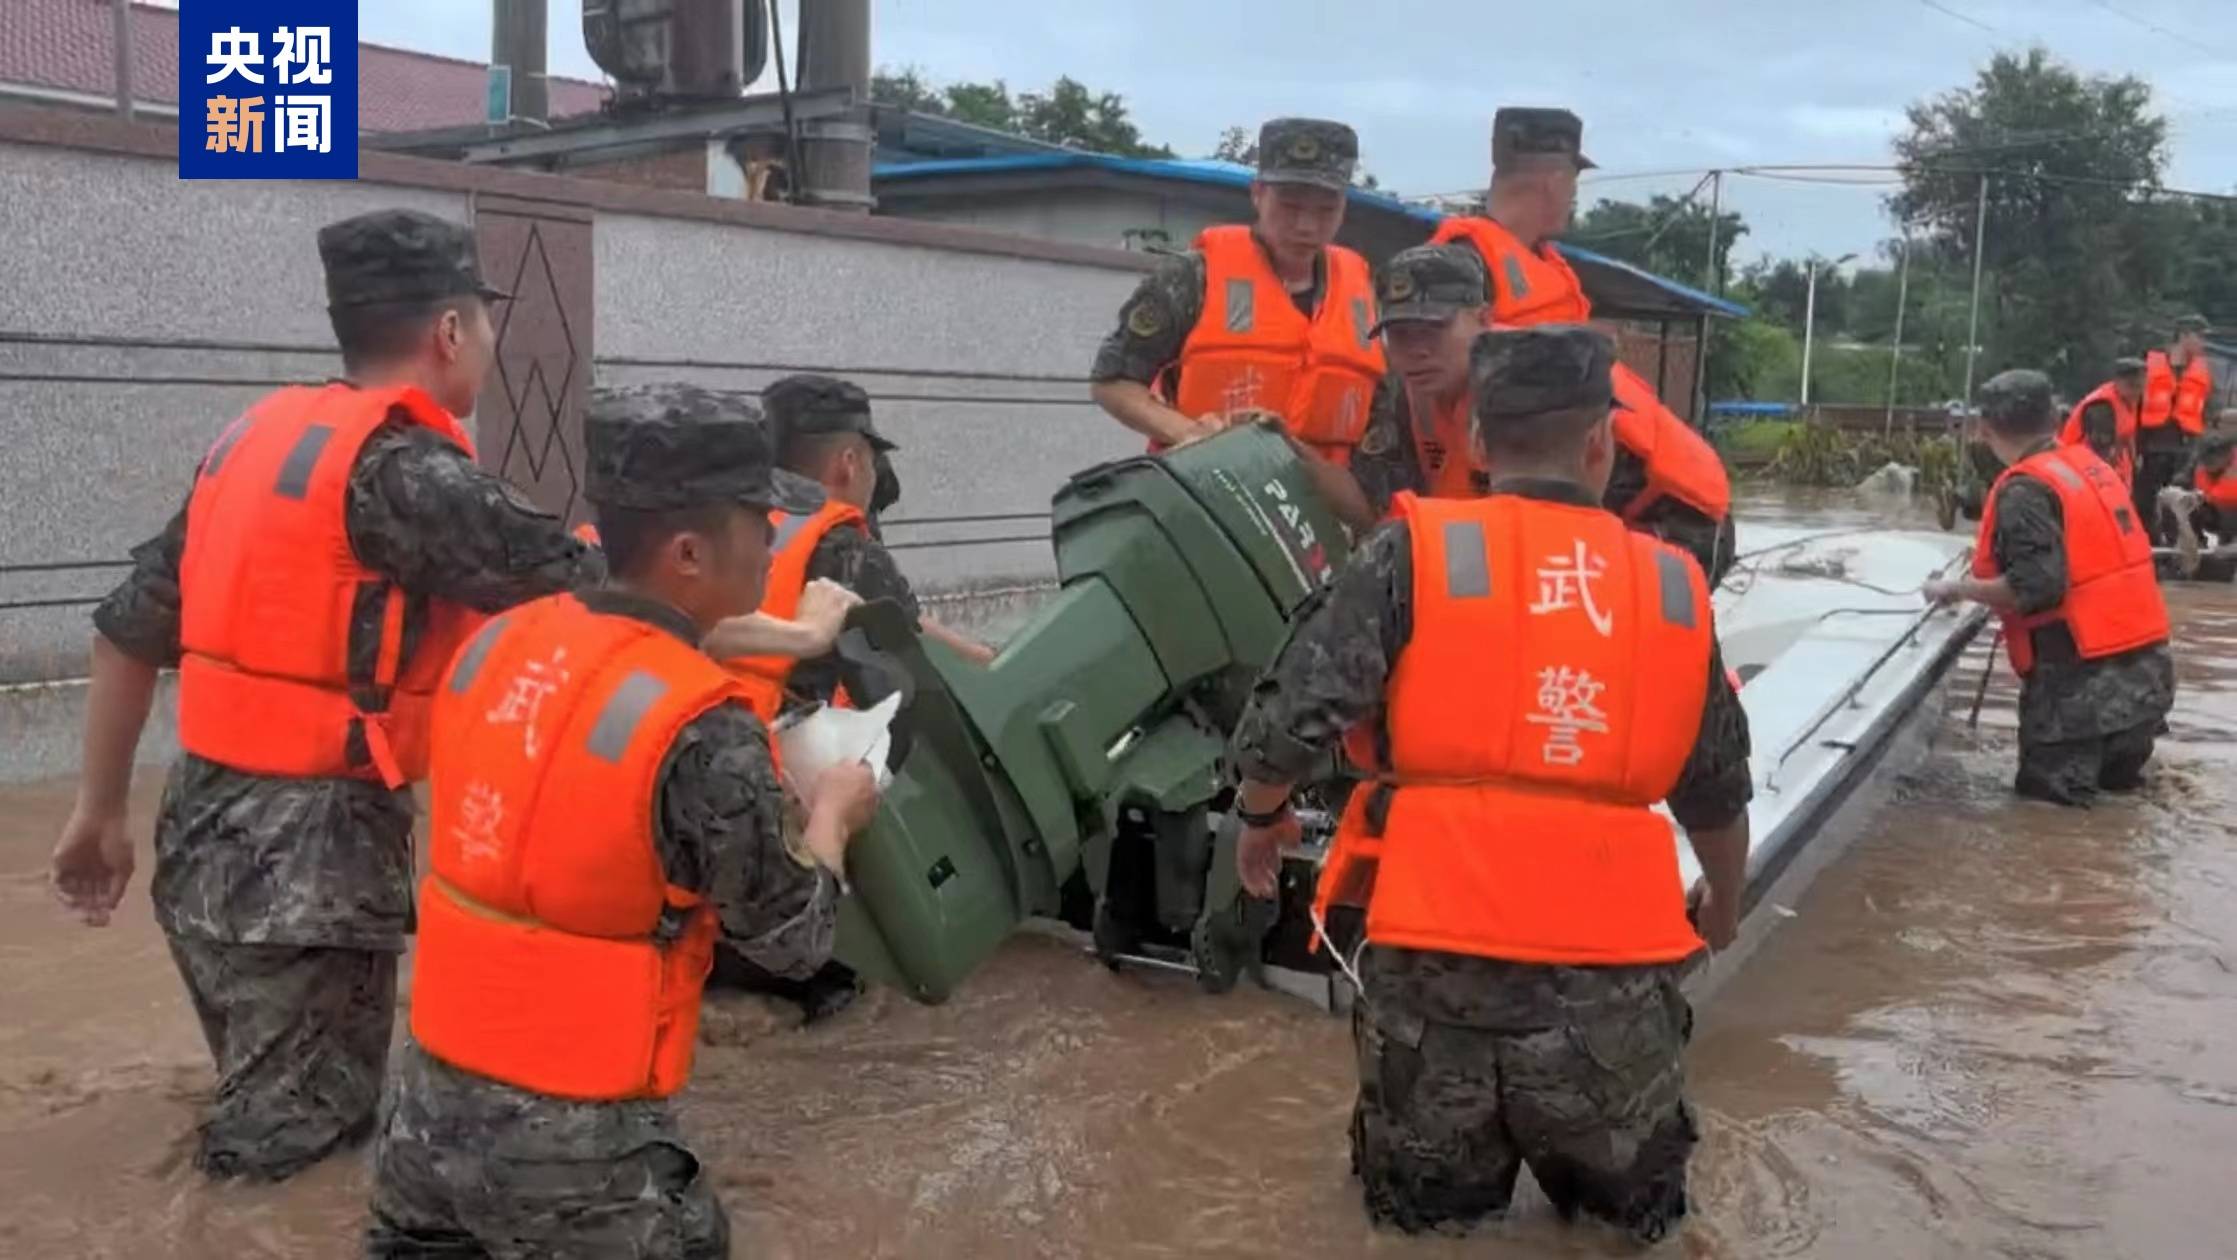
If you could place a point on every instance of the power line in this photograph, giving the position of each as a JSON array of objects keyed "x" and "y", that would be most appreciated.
[
  {"x": 2149, "y": 25},
  {"x": 1947, "y": 11}
]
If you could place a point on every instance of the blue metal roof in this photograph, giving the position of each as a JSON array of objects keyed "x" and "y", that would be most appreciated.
[{"x": 1235, "y": 175}]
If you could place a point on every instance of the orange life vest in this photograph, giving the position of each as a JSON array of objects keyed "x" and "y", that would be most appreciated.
[
  {"x": 2180, "y": 399},
  {"x": 1445, "y": 448},
  {"x": 2123, "y": 458},
  {"x": 2220, "y": 488},
  {"x": 1549, "y": 697},
  {"x": 1537, "y": 286},
  {"x": 538, "y": 964},
  {"x": 1680, "y": 463},
  {"x": 1529, "y": 286},
  {"x": 1252, "y": 348},
  {"x": 269, "y": 583},
  {"x": 764, "y": 676},
  {"x": 2112, "y": 603}
]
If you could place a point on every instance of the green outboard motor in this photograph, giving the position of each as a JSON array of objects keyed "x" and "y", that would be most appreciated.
[{"x": 1092, "y": 745}]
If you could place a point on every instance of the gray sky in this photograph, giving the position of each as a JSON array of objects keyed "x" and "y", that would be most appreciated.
[{"x": 1662, "y": 85}]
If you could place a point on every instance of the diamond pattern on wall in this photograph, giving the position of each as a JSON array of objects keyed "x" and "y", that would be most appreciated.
[{"x": 530, "y": 415}]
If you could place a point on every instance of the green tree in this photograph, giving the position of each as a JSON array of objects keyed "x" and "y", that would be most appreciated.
[
  {"x": 1237, "y": 145},
  {"x": 1668, "y": 236},
  {"x": 2070, "y": 161},
  {"x": 1069, "y": 113}
]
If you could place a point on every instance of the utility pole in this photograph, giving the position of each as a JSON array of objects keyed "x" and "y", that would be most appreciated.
[
  {"x": 1895, "y": 354},
  {"x": 120, "y": 15},
  {"x": 1973, "y": 323},
  {"x": 1810, "y": 321},
  {"x": 1713, "y": 283}
]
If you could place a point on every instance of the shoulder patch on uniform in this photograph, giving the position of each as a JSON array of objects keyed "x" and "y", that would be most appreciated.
[
  {"x": 1144, "y": 319},
  {"x": 1378, "y": 439}
]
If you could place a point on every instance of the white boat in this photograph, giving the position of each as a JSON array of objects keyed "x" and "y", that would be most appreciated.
[{"x": 1835, "y": 649}]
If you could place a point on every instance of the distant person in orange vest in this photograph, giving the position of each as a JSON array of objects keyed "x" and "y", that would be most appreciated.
[
  {"x": 2105, "y": 419},
  {"x": 1525, "y": 916},
  {"x": 2062, "y": 558},
  {"x": 2215, "y": 480},
  {"x": 338, "y": 543},
  {"x": 2178, "y": 383},
  {"x": 1667, "y": 480},
  {"x": 1267, "y": 317},
  {"x": 603, "y": 808}
]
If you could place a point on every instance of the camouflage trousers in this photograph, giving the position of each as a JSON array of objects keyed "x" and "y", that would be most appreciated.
[
  {"x": 2074, "y": 771},
  {"x": 1574, "y": 1071},
  {"x": 300, "y": 1038},
  {"x": 467, "y": 1166}
]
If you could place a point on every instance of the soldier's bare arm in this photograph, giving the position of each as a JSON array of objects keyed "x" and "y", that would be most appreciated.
[{"x": 136, "y": 634}]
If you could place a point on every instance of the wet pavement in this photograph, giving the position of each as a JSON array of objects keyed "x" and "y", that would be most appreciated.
[{"x": 1988, "y": 1028}]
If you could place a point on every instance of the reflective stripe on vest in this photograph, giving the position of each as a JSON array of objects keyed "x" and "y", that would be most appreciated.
[
  {"x": 1252, "y": 349},
  {"x": 2113, "y": 603},
  {"x": 790, "y": 550},
  {"x": 270, "y": 590},
  {"x": 1536, "y": 286},
  {"x": 539, "y": 963},
  {"x": 1516, "y": 809},
  {"x": 2177, "y": 399}
]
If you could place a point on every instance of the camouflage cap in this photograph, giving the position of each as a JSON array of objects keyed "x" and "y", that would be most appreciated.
[
  {"x": 659, "y": 447},
  {"x": 2019, "y": 398},
  {"x": 1524, "y": 137},
  {"x": 399, "y": 256},
  {"x": 1430, "y": 283},
  {"x": 2128, "y": 365},
  {"x": 1535, "y": 370},
  {"x": 1307, "y": 151},
  {"x": 808, "y": 403},
  {"x": 2193, "y": 324}
]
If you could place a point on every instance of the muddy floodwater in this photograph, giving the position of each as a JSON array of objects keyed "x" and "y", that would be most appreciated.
[{"x": 1986, "y": 1029}]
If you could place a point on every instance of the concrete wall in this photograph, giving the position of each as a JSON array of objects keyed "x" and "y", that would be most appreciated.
[{"x": 140, "y": 313}]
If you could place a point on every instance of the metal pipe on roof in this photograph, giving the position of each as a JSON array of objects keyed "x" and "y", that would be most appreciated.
[
  {"x": 835, "y": 53},
  {"x": 518, "y": 31},
  {"x": 120, "y": 12}
]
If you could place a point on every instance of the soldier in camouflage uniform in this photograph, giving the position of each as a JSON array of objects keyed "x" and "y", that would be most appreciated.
[
  {"x": 1431, "y": 299},
  {"x": 287, "y": 900},
  {"x": 471, "y": 1166},
  {"x": 1471, "y": 1066},
  {"x": 2084, "y": 725},
  {"x": 824, "y": 432},
  {"x": 1304, "y": 167},
  {"x": 1445, "y": 287}
]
